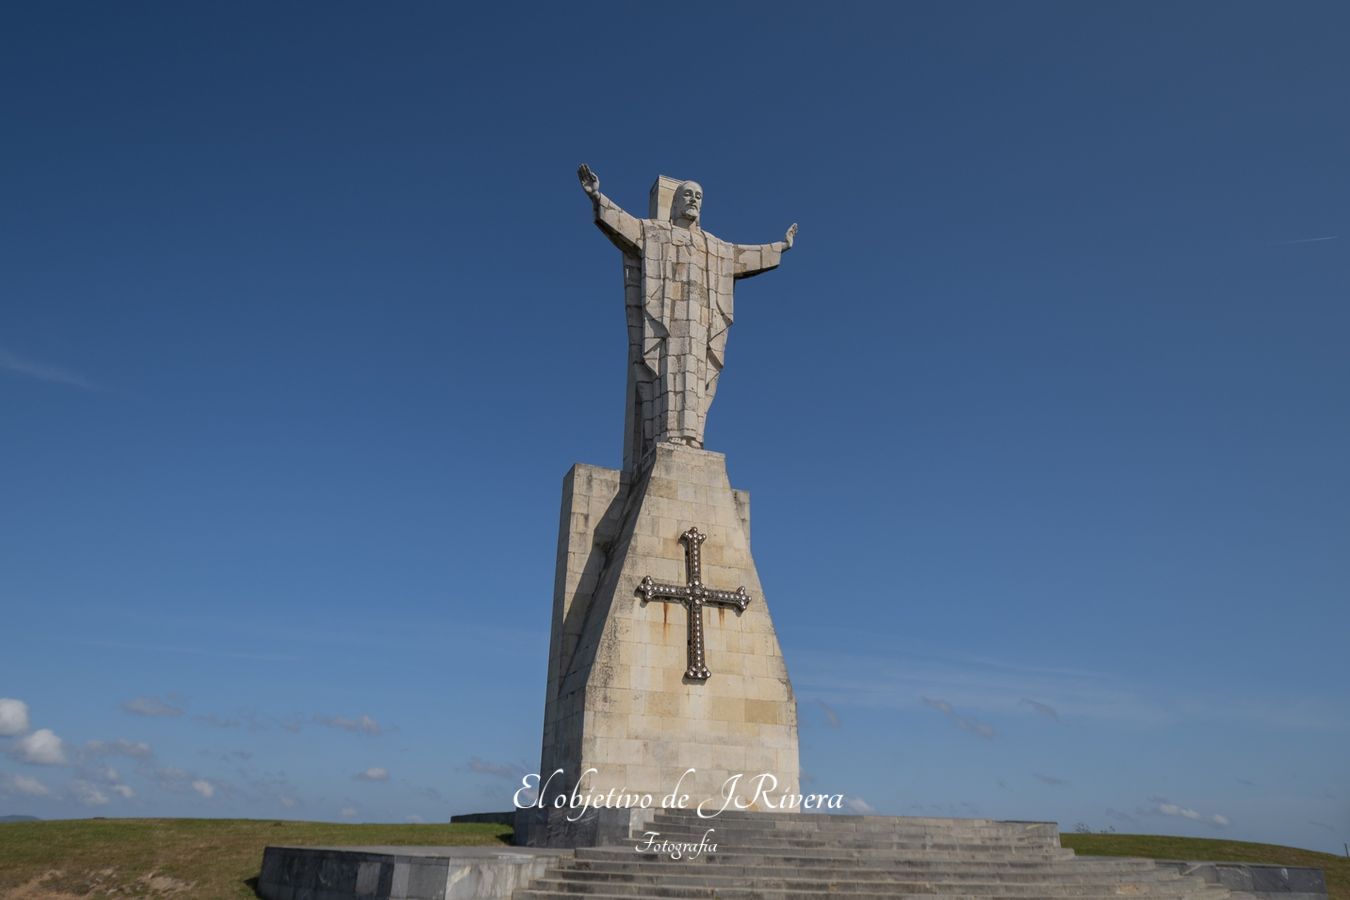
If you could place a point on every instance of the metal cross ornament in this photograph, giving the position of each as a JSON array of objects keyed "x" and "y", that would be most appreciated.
[{"x": 694, "y": 596}]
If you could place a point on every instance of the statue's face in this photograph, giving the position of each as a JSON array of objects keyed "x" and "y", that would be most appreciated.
[{"x": 688, "y": 202}]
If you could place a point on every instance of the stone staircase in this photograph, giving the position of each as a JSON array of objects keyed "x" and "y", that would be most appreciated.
[{"x": 789, "y": 856}]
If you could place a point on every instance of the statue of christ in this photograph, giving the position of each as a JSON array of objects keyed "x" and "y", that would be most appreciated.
[{"x": 678, "y": 282}]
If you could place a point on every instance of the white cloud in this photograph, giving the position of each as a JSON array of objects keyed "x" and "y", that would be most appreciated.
[
  {"x": 859, "y": 806},
  {"x": 362, "y": 725},
  {"x": 87, "y": 793},
  {"x": 109, "y": 779},
  {"x": 120, "y": 747},
  {"x": 347, "y": 812},
  {"x": 23, "y": 786},
  {"x": 1162, "y": 806},
  {"x": 181, "y": 781},
  {"x": 372, "y": 774},
  {"x": 41, "y": 748},
  {"x": 416, "y": 820},
  {"x": 13, "y": 717},
  {"x": 288, "y": 802},
  {"x": 151, "y": 706}
]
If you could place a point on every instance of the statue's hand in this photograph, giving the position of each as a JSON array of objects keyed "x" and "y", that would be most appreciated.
[
  {"x": 590, "y": 182},
  {"x": 790, "y": 236}
]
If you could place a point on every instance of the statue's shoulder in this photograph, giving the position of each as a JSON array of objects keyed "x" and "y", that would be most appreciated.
[
  {"x": 656, "y": 237},
  {"x": 717, "y": 246}
]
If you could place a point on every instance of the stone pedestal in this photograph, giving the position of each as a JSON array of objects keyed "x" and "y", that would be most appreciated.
[
  {"x": 619, "y": 700},
  {"x": 400, "y": 873}
]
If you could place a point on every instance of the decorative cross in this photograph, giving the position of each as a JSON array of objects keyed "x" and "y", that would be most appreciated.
[{"x": 694, "y": 596}]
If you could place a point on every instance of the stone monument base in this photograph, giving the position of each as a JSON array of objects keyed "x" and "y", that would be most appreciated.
[
  {"x": 752, "y": 856},
  {"x": 562, "y": 828},
  {"x": 664, "y": 666},
  {"x": 399, "y": 873}
]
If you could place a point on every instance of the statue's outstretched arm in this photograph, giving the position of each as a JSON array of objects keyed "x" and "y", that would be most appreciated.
[
  {"x": 624, "y": 230},
  {"x": 752, "y": 259}
]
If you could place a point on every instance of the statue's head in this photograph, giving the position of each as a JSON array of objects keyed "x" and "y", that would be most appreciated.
[{"x": 687, "y": 203}]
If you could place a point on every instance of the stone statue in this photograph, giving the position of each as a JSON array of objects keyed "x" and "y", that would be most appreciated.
[{"x": 678, "y": 294}]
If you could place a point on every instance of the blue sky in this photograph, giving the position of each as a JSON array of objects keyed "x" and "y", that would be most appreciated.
[{"x": 303, "y": 319}]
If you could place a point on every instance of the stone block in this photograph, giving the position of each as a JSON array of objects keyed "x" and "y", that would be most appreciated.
[
  {"x": 400, "y": 873},
  {"x": 622, "y": 661}
]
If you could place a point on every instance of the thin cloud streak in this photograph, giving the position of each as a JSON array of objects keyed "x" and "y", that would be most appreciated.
[
  {"x": 152, "y": 707},
  {"x": 11, "y": 362},
  {"x": 963, "y": 722},
  {"x": 188, "y": 651},
  {"x": 1311, "y": 240},
  {"x": 995, "y": 687},
  {"x": 509, "y": 771},
  {"x": 989, "y": 686},
  {"x": 362, "y": 724},
  {"x": 1041, "y": 708}
]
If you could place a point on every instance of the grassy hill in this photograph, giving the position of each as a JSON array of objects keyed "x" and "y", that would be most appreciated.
[
  {"x": 1156, "y": 846},
  {"x": 202, "y": 859},
  {"x": 218, "y": 859}
]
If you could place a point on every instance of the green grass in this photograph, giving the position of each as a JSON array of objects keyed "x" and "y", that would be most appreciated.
[
  {"x": 1153, "y": 846},
  {"x": 97, "y": 859}
]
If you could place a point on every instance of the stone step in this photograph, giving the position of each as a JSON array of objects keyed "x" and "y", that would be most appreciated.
[
  {"x": 660, "y": 824},
  {"x": 675, "y": 871},
  {"x": 799, "y": 858},
  {"x": 808, "y": 856},
  {"x": 898, "y": 845},
  {"x": 778, "y": 839},
  {"x": 980, "y": 883},
  {"x": 790, "y": 858},
  {"x": 690, "y": 825},
  {"x": 817, "y": 820},
  {"x": 928, "y": 821},
  {"x": 822, "y": 826},
  {"x": 810, "y": 850},
  {"x": 750, "y": 893},
  {"x": 855, "y": 888},
  {"x": 1012, "y": 869}
]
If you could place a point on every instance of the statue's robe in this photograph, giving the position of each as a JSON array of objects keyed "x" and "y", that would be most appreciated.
[{"x": 678, "y": 294}]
